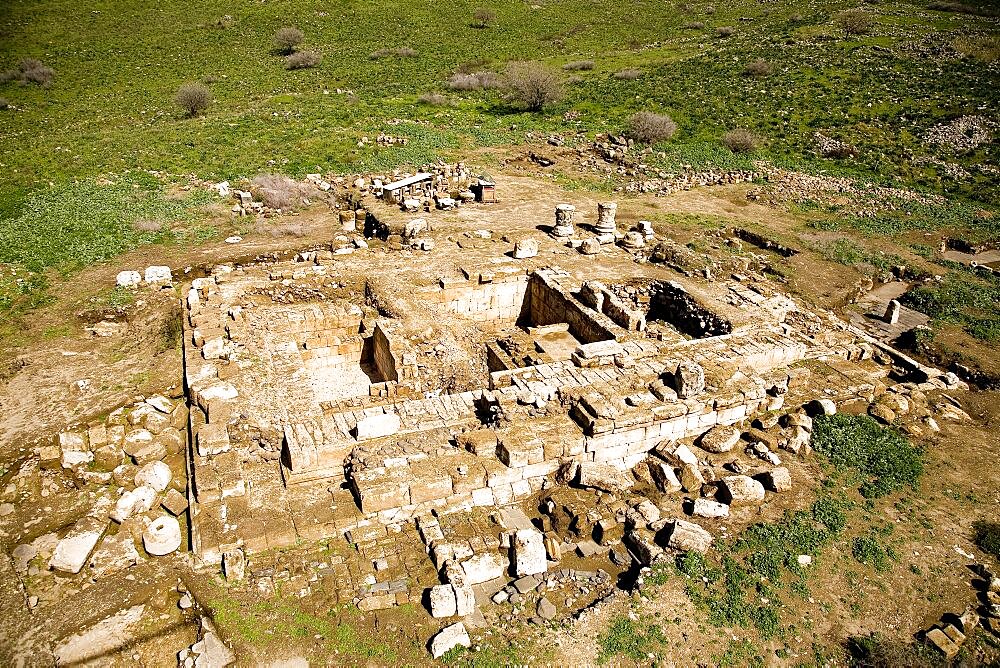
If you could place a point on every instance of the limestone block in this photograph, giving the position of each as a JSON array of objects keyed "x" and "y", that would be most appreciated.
[
  {"x": 482, "y": 567},
  {"x": 154, "y": 474},
  {"x": 442, "y": 601},
  {"x": 709, "y": 508},
  {"x": 480, "y": 442},
  {"x": 642, "y": 543},
  {"x": 116, "y": 553},
  {"x": 73, "y": 550},
  {"x": 128, "y": 279},
  {"x": 691, "y": 478},
  {"x": 377, "y": 426},
  {"x": 664, "y": 477},
  {"x": 525, "y": 248},
  {"x": 603, "y": 476},
  {"x": 688, "y": 380},
  {"x": 213, "y": 439},
  {"x": 448, "y": 638},
  {"x": 776, "y": 480},
  {"x": 688, "y": 536},
  {"x": 465, "y": 599},
  {"x": 720, "y": 439},
  {"x": 740, "y": 489},
  {"x": 529, "y": 552},
  {"x": 428, "y": 487},
  {"x": 132, "y": 502},
  {"x": 158, "y": 275}
]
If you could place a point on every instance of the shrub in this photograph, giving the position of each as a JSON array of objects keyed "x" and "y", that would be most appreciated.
[
  {"x": 4, "y": 104},
  {"x": 301, "y": 60},
  {"x": 758, "y": 68},
  {"x": 630, "y": 74},
  {"x": 650, "y": 128},
  {"x": 278, "y": 191},
  {"x": 725, "y": 31},
  {"x": 855, "y": 22},
  {"x": 193, "y": 97},
  {"x": 434, "y": 100},
  {"x": 874, "y": 651},
  {"x": 287, "y": 38},
  {"x": 741, "y": 141},
  {"x": 987, "y": 537},
  {"x": 531, "y": 85},
  {"x": 30, "y": 71},
  {"x": 475, "y": 81},
  {"x": 399, "y": 52},
  {"x": 483, "y": 18},
  {"x": 695, "y": 25},
  {"x": 579, "y": 65}
]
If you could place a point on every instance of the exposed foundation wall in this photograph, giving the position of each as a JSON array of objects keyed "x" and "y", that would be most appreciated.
[
  {"x": 671, "y": 303},
  {"x": 490, "y": 301},
  {"x": 382, "y": 355},
  {"x": 549, "y": 303}
]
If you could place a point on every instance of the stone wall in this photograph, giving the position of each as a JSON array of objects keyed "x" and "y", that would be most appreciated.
[
  {"x": 382, "y": 354},
  {"x": 550, "y": 303}
]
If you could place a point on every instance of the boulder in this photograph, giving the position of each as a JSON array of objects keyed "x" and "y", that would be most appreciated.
[
  {"x": 882, "y": 413},
  {"x": 689, "y": 537},
  {"x": 821, "y": 407},
  {"x": 720, "y": 439},
  {"x": 529, "y": 552},
  {"x": 545, "y": 609},
  {"x": 449, "y": 637},
  {"x": 465, "y": 600},
  {"x": 590, "y": 246},
  {"x": 740, "y": 489},
  {"x": 128, "y": 279},
  {"x": 158, "y": 275},
  {"x": 691, "y": 478},
  {"x": 162, "y": 536},
  {"x": 664, "y": 477}
]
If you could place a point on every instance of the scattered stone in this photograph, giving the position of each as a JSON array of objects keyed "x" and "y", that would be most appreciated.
[
  {"x": 720, "y": 439},
  {"x": 776, "y": 480},
  {"x": 709, "y": 508},
  {"x": 740, "y": 489},
  {"x": 74, "y": 549},
  {"x": 545, "y": 609},
  {"x": 449, "y": 637},
  {"x": 155, "y": 474},
  {"x": 603, "y": 476},
  {"x": 482, "y": 567},
  {"x": 442, "y": 601},
  {"x": 158, "y": 275},
  {"x": 525, "y": 248},
  {"x": 174, "y": 502},
  {"x": 234, "y": 564},
  {"x": 822, "y": 407},
  {"x": 128, "y": 279},
  {"x": 689, "y": 537}
]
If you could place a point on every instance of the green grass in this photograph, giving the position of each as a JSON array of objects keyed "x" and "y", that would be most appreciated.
[
  {"x": 627, "y": 639},
  {"x": 883, "y": 460},
  {"x": 963, "y": 299},
  {"x": 850, "y": 253}
]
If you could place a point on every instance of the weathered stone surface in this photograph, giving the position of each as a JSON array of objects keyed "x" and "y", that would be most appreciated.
[
  {"x": 482, "y": 567},
  {"x": 608, "y": 531},
  {"x": 882, "y": 413},
  {"x": 545, "y": 609},
  {"x": 116, "y": 553},
  {"x": 465, "y": 600},
  {"x": 740, "y": 489},
  {"x": 604, "y": 477},
  {"x": 234, "y": 565},
  {"x": 158, "y": 275},
  {"x": 664, "y": 477},
  {"x": 449, "y": 637},
  {"x": 689, "y": 537},
  {"x": 73, "y": 550},
  {"x": 688, "y": 380},
  {"x": 210, "y": 651},
  {"x": 442, "y": 601},
  {"x": 174, "y": 502},
  {"x": 529, "y": 552},
  {"x": 128, "y": 279},
  {"x": 155, "y": 474},
  {"x": 691, "y": 478},
  {"x": 720, "y": 439},
  {"x": 936, "y": 638},
  {"x": 525, "y": 248},
  {"x": 709, "y": 508},
  {"x": 642, "y": 543},
  {"x": 132, "y": 502},
  {"x": 650, "y": 513},
  {"x": 162, "y": 536},
  {"x": 377, "y": 426},
  {"x": 776, "y": 480},
  {"x": 822, "y": 407}
]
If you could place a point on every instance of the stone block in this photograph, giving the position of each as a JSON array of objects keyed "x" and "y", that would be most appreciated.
[
  {"x": 688, "y": 536},
  {"x": 448, "y": 638},
  {"x": 740, "y": 489},
  {"x": 73, "y": 550},
  {"x": 377, "y": 426},
  {"x": 529, "y": 552}
]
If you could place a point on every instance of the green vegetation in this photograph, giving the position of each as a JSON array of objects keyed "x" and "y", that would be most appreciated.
[
  {"x": 881, "y": 457},
  {"x": 849, "y": 253},
  {"x": 875, "y": 650},
  {"x": 962, "y": 299},
  {"x": 987, "y": 537},
  {"x": 628, "y": 639},
  {"x": 870, "y": 550}
]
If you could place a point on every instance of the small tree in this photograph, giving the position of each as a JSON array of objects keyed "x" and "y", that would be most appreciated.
[
  {"x": 29, "y": 71},
  {"x": 649, "y": 128},
  {"x": 741, "y": 141},
  {"x": 855, "y": 22},
  {"x": 484, "y": 18},
  {"x": 193, "y": 97},
  {"x": 532, "y": 86},
  {"x": 301, "y": 60},
  {"x": 287, "y": 38}
]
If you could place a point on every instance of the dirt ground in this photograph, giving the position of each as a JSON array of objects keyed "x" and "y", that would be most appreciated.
[{"x": 63, "y": 375}]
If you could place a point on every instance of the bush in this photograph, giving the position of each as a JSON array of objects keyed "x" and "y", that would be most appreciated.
[
  {"x": 758, "y": 68},
  {"x": 579, "y": 65},
  {"x": 695, "y": 25},
  {"x": 193, "y": 97},
  {"x": 874, "y": 651},
  {"x": 4, "y": 104},
  {"x": 301, "y": 60},
  {"x": 483, "y": 18},
  {"x": 399, "y": 52},
  {"x": 725, "y": 31},
  {"x": 286, "y": 39},
  {"x": 278, "y": 191},
  {"x": 883, "y": 457},
  {"x": 855, "y": 22},
  {"x": 630, "y": 74},
  {"x": 434, "y": 100},
  {"x": 531, "y": 85},
  {"x": 650, "y": 128},
  {"x": 474, "y": 81},
  {"x": 30, "y": 71},
  {"x": 741, "y": 141},
  {"x": 987, "y": 537}
]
